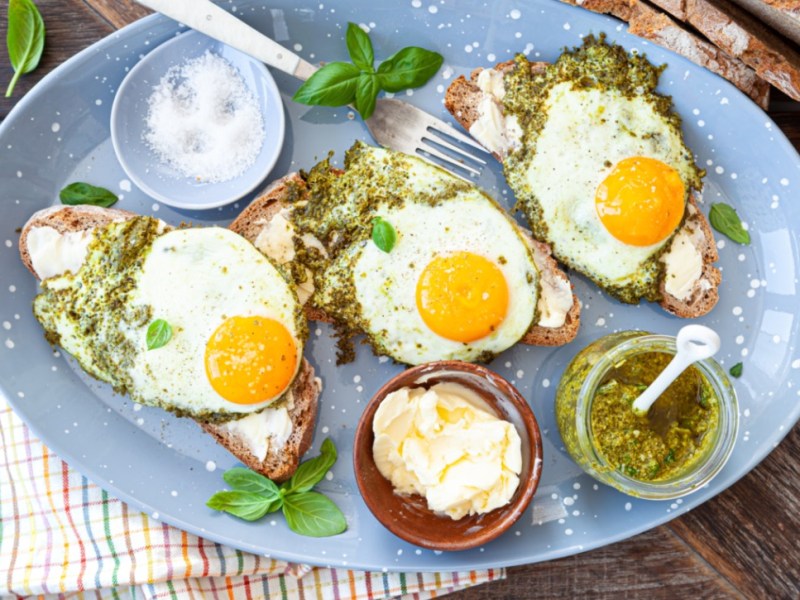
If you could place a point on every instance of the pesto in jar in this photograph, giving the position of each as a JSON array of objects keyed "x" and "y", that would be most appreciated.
[{"x": 674, "y": 434}]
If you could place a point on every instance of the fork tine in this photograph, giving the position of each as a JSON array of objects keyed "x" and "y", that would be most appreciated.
[
  {"x": 453, "y": 148},
  {"x": 401, "y": 126},
  {"x": 450, "y": 162},
  {"x": 440, "y": 126}
]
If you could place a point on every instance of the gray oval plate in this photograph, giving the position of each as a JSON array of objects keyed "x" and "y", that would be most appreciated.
[{"x": 59, "y": 133}]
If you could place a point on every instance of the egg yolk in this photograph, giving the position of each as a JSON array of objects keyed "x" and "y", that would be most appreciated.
[
  {"x": 641, "y": 202},
  {"x": 250, "y": 359},
  {"x": 462, "y": 296}
]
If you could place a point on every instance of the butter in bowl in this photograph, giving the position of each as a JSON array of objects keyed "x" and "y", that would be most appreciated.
[{"x": 448, "y": 455}]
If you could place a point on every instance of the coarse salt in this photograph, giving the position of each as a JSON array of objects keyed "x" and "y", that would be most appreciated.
[{"x": 203, "y": 121}]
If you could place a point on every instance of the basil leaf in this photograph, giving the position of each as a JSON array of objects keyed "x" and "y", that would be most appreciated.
[
  {"x": 360, "y": 48},
  {"x": 85, "y": 193},
  {"x": 312, "y": 471},
  {"x": 383, "y": 234},
  {"x": 158, "y": 333},
  {"x": 409, "y": 68},
  {"x": 736, "y": 370},
  {"x": 366, "y": 94},
  {"x": 724, "y": 219},
  {"x": 246, "y": 480},
  {"x": 245, "y": 505},
  {"x": 24, "y": 39},
  {"x": 313, "y": 514},
  {"x": 333, "y": 85}
]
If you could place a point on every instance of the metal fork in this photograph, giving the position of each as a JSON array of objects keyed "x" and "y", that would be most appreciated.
[{"x": 394, "y": 124}]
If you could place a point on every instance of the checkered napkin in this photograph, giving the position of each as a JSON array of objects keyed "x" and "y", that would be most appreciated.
[{"x": 62, "y": 535}]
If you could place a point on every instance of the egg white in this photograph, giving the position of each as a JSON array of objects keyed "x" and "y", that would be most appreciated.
[
  {"x": 586, "y": 133},
  {"x": 194, "y": 279}
]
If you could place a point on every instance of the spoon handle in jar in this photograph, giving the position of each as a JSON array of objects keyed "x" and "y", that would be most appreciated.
[
  {"x": 215, "y": 22},
  {"x": 693, "y": 342}
]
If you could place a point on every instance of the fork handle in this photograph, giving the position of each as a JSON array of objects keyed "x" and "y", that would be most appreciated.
[{"x": 208, "y": 18}]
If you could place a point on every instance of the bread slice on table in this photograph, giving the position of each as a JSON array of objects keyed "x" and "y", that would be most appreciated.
[
  {"x": 736, "y": 32},
  {"x": 782, "y": 15},
  {"x": 653, "y": 24},
  {"x": 277, "y": 196},
  {"x": 301, "y": 400},
  {"x": 463, "y": 98}
]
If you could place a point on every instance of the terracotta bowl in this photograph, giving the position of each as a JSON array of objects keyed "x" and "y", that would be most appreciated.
[{"x": 409, "y": 517}]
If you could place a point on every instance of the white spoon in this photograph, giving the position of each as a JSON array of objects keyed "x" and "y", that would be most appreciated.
[{"x": 693, "y": 343}]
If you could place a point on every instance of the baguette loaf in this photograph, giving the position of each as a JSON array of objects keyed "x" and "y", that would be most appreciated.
[
  {"x": 462, "y": 100},
  {"x": 652, "y": 24},
  {"x": 280, "y": 462}
]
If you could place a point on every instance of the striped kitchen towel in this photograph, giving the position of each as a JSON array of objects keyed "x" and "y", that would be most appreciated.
[{"x": 61, "y": 535}]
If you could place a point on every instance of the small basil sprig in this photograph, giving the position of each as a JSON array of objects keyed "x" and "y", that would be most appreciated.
[
  {"x": 24, "y": 39},
  {"x": 85, "y": 193},
  {"x": 306, "y": 512},
  {"x": 158, "y": 334},
  {"x": 359, "y": 83},
  {"x": 736, "y": 370},
  {"x": 724, "y": 219},
  {"x": 383, "y": 234}
]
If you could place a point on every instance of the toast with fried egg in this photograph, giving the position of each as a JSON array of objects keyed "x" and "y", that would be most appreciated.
[
  {"x": 55, "y": 240},
  {"x": 281, "y": 194},
  {"x": 688, "y": 282}
]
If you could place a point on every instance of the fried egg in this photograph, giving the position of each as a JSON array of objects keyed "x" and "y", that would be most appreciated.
[
  {"x": 237, "y": 327},
  {"x": 602, "y": 172},
  {"x": 460, "y": 281}
]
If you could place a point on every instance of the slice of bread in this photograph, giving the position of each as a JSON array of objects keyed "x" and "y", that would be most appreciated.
[
  {"x": 280, "y": 462},
  {"x": 462, "y": 99},
  {"x": 782, "y": 15},
  {"x": 736, "y": 32},
  {"x": 277, "y": 196},
  {"x": 702, "y": 297},
  {"x": 652, "y": 24}
]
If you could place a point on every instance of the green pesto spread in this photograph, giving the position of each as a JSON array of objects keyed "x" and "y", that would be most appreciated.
[
  {"x": 673, "y": 436},
  {"x": 599, "y": 65},
  {"x": 70, "y": 315},
  {"x": 337, "y": 207}
]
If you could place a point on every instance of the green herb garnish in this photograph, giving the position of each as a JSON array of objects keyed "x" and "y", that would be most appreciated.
[
  {"x": 24, "y": 39},
  {"x": 724, "y": 219},
  {"x": 85, "y": 193},
  {"x": 383, "y": 234},
  {"x": 736, "y": 370},
  {"x": 158, "y": 333},
  {"x": 358, "y": 83},
  {"x": 306, "y": 512}
]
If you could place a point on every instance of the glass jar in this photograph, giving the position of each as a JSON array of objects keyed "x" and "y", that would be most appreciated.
[{"x": 576, "y": 393}]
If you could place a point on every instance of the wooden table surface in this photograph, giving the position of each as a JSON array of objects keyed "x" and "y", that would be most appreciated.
[{"x": 743, "y": 543}]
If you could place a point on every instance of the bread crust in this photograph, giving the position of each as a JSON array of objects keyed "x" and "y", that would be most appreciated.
[
  {"x": 280, "y": 465},
  {"x": 305, "y": 389},
  {"x": 65, "y": 219},
  {"x": 462, "y": 99}
]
